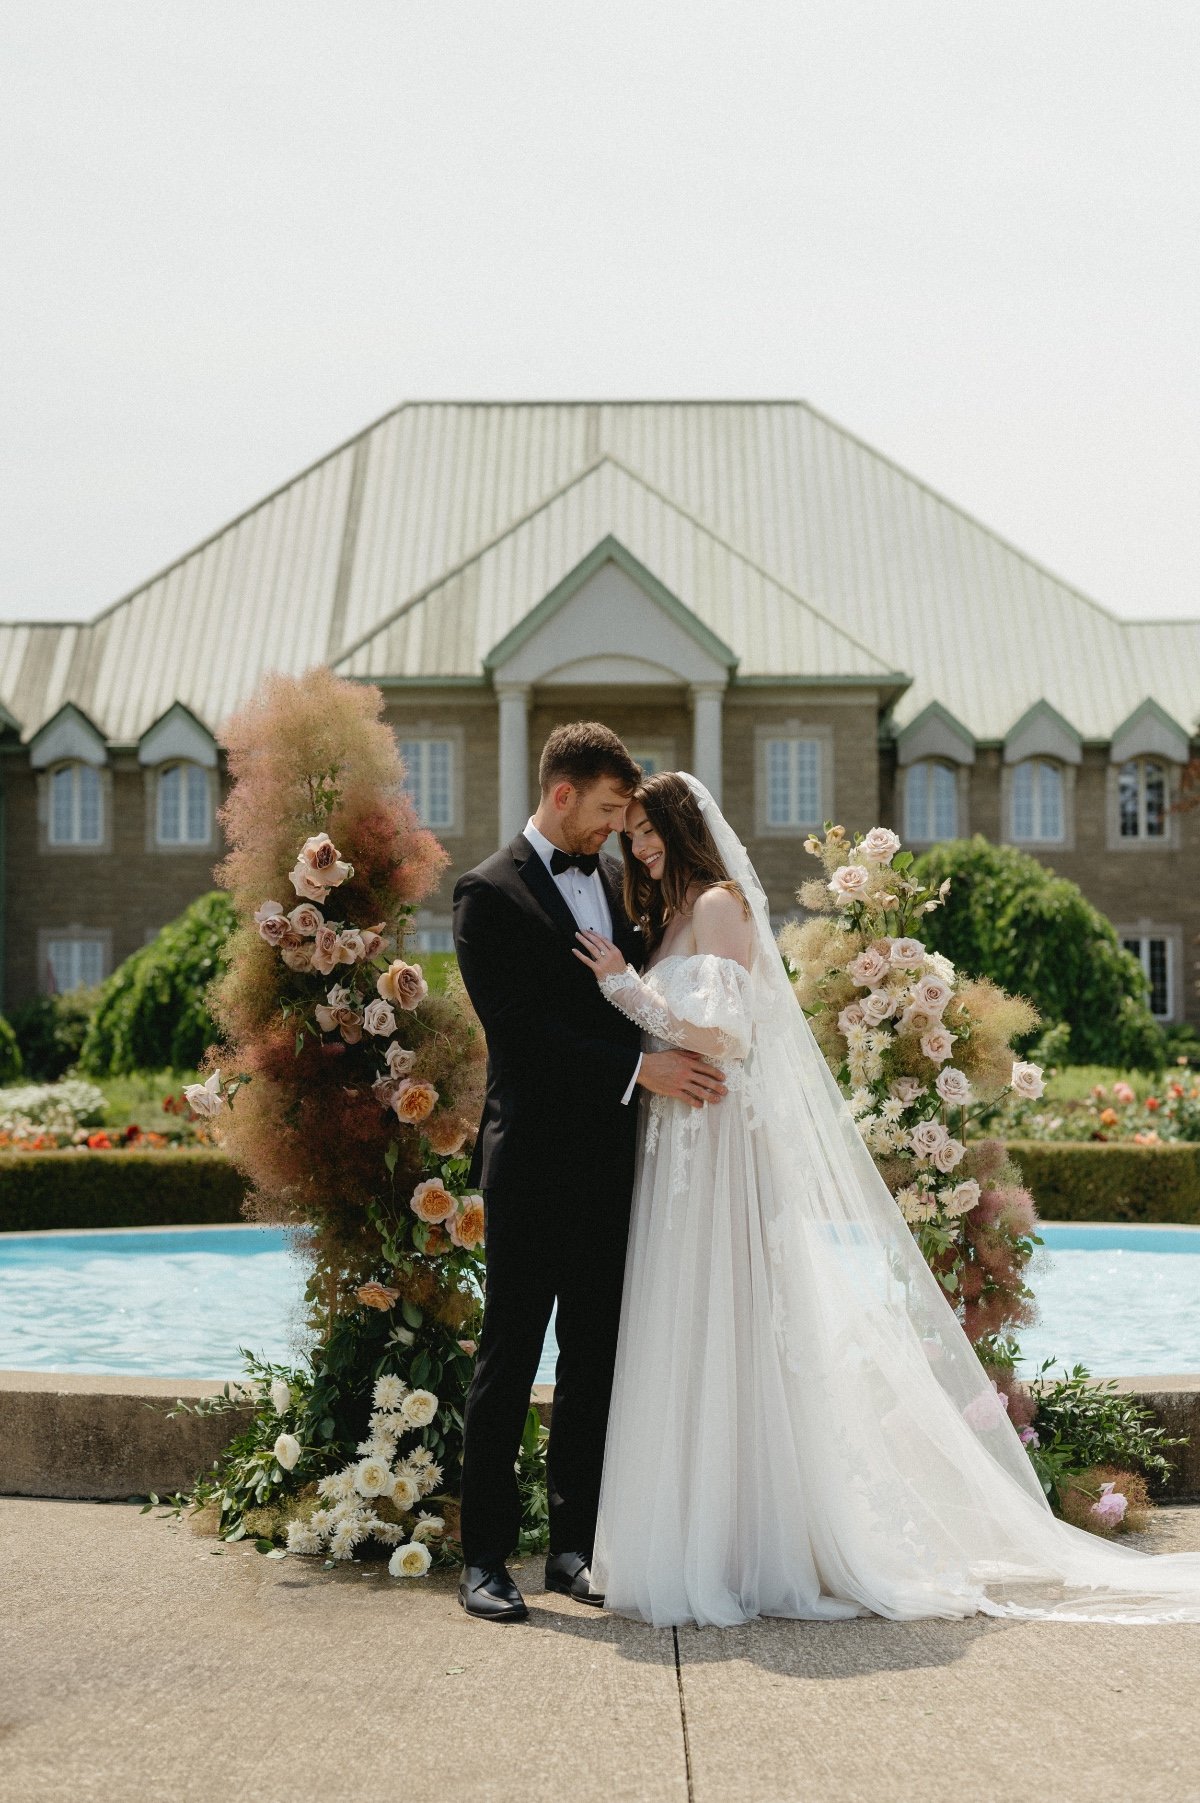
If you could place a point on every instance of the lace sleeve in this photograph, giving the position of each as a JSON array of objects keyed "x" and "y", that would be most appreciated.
[{"x": 701, "y": 1006}]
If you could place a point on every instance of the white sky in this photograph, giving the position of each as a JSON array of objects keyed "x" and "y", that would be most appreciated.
[{"x": 235, "y": 233}]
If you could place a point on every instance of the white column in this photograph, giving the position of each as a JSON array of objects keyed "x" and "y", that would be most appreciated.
[
  {"x": 514, "y": 758},
  {"x": 707, "y": 698}
]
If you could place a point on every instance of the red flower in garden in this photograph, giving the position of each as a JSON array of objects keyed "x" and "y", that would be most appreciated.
[
  {"x": 132, "y": 1133},
  {"x": 99, "y": 1142},
  {"x": 1152, "y": 1102}
]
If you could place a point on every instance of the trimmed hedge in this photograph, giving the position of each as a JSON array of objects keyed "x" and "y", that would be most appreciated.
[
  {"x": 1111, "y": 1181},
  {"x": 117, "y": 1189}
]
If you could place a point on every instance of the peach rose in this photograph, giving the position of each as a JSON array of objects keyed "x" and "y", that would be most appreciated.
[
  {"x": 338, "y": 1013},
  {"x": 432, "y": 1202},
  {"x": 297, "y": 957},
  {"x": 304, "y": 881},
  {"x": 404, "y": 984},
  {"x": 877, "y": 1006},
  {"x": 377, "y": 1295},
  {"x": 320, "y": 855},
  {"x": 879, "y": 846},
  {"x": 947, "y": 1155},
  {"x": 938, "y": 1045},
  {"x": 849, "y": 881},
  {"x": 907, "y": 954},
  {"x": 466, "y": 1228},
  {"x": 437, "y": 1241},
  {"x": 870, "y": 967},
  {"x": 306, "y": 920},
  {"x": 415, "y": 1100},
  {"x": 379, "y": 1017},
  {"x": 851, "y": 1016},
  {"x": 372, "y": 941},
  {"x": 353, "y": 945},
  {"x": 446, "y": 1134},
  {"x": 273, "y": 928},
  {"x": 931, "y": 993},
  {"x": 926, "y": 1137}
]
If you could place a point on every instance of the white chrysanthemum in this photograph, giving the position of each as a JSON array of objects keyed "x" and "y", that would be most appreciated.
[
  {"x": 410, "y": 1561},
  {"x": 301, "y": 1538},
  {"x": 419, "y": 1408},
  {"x": 389, "y": 1533},
  {"x": 337, "y": 1484},
  {"x": 892, "y": 1109},
  {"x": 420, "y": 1455},
  {"x": 389, "y": 1392},
  {"x": 429, "y": 1527},
  {"x": 281, "y": 1396},
  {"x": 318, "y": 1521},
  {"x": 431, "y": 1477},
  {"x": 349, "y": 1509},
  {"x": 373, "y": 1478},
  {"x": 860, "y": 1101},
  {"x": 405, "y": 1490},
  {"x": 385, "y": 1425},
  {"x": 343, "y": 1541},
  {"x": 857, "y": 1035},
  {"x": 941, "y": 966}
]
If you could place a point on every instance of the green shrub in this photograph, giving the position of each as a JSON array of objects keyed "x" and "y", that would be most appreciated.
[
  {"x": 1037, "y": 935},
  {"x": 1084, "y": 1181},
  {"x": 153, "y": 1011},
  {"x": 12, "y": 1065},
  {"x": 116, "y": 1189},
  {"x": 1082, "y": 1422},
  {"x": 50, "y": 1032}
]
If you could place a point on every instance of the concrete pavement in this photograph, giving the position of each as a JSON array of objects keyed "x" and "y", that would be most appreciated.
[{"x": 139, "y": 1663}]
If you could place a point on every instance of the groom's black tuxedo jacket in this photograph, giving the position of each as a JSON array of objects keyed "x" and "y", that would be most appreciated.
[{"x": 559, "y": 1056}]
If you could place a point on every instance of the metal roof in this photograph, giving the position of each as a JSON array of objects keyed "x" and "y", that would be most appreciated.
[{"x": 411, "y": 550}]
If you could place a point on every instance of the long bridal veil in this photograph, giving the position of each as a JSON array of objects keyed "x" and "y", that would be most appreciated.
[{"x": 928, "y": 1491}]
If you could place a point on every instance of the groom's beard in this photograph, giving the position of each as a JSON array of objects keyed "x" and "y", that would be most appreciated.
[{"x": 577, "y": 837}]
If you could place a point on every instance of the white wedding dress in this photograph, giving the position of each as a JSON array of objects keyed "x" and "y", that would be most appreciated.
[{"x": 799, "y": 1426}]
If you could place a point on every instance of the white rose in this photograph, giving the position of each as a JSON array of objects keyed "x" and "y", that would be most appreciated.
[
  {"x": 405, "y": 1491},
  {"x": 962, "y": 1198},
  {"x": 877, "y": 1006},
  {"x": 419, "y": 1408},
  {"x": 907, "y": 954},
  {"x": 379, "y": 1017},
  {"x": 410, "y": 1561},
  {"x": 281, "y": 1396},
  {"x": 931, "y": 993},
  {"x": 1026, "y": 1081},
  {"x": 941, "y": 966},
  {"x": 952, "y": 1086},
  {"x": 287, "y": 1451},
  {"x": 947, "y": 1155},
  {"x": 926, "y": 1137},
  {"x": 879, "y": 846},
  {"x": 205, "y": 1099},
  {"x": 373, "y": 1478},
  {"x": 399, "y": 1060},
  {"x": 849, "y": 881},
  {"x": 429, "y": 1527},
  {"x": 870, "y": 967},
  {"x": 938, "y": 1045}
]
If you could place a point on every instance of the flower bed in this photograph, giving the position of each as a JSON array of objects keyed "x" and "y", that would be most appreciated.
[
  {"x": 150, "y": 1188},
  {"x": 1119, "y": 1181}
]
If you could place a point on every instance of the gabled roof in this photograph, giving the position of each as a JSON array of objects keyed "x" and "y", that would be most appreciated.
[{"x": 793, "y": 540}]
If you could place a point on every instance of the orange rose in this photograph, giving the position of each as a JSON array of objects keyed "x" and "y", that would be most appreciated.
[
  {"x": 415, "y": 1100},
  {"x": 377, "y": 1295},
  {"x": 1108, "y": 1117},
  {"x": 466, "y": 1230},
  {"x": 437, "y": 1241}
]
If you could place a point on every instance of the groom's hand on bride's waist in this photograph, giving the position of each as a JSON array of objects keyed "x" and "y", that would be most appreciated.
[{"x": 685, "y": 1076}]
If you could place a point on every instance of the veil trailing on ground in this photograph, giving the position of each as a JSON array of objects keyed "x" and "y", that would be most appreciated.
[{"x": 934, "y": 1503}]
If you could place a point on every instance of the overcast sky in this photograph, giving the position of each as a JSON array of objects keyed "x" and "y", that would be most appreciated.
[{"x": 234, "y": 233}]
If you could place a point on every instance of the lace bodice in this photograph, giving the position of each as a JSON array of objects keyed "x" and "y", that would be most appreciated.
[{"x": 696, "y": 1000}]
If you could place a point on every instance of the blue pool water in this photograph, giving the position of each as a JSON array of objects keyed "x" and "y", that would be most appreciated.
[{"x": 179, "y": 1301}]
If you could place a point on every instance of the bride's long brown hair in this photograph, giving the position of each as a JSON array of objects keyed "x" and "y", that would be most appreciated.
[{"x": 690, "y": 858}]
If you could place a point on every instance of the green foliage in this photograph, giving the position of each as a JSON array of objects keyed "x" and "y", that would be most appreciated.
[
  {"x": 531, "y": 1484},
  {"x": 137, "y": 1098},
  {"x": 12, "y": 1065},
  {"x": 116, "y": 1189},
  {"x": 1081, "y": 1423},
  {"x": 51, "y": 1030},
  {"x": 1118, "y": 1181},
  {"x": 1036, "y": 934},
  {"x": 153, "y": 1010}
]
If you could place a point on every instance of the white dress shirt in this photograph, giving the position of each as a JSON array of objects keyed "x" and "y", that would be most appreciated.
[{"x": 587, "y": 899}]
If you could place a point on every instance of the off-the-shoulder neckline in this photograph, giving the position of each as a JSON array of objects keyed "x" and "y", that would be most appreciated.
[{"x": 686, "y": 957}]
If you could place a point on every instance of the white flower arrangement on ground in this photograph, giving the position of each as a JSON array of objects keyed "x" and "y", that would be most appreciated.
[
  {"x": 916, "y": 1044},
  {"x": 54, "y": 1107},
  {"x": 376, "y": 1496}
]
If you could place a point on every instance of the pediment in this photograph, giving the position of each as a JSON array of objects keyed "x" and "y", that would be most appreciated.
[
  {"x": 935, "y": 733},
  {"x": 1043, "y": 732},
  {"x": 67, "y": 735},
  {"x": 177, "y": 734},
  {"x": 1150, "y": 731}
]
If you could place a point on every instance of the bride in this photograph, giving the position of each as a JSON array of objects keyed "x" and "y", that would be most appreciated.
[{"x": 799, "y": 1425}]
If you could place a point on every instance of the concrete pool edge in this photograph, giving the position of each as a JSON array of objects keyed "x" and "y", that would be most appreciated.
[{"x": 83, "y": 1436}]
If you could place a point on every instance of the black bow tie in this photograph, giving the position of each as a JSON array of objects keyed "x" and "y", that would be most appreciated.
[{"x": 563, "y": 860}]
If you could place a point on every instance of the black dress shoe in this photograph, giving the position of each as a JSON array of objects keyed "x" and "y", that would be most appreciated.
[
  {"x": 571, "y": 1574},
  {"x": 488, "y": 1592}
]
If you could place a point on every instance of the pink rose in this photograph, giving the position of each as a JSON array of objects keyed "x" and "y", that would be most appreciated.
[
  {"x": 851, "y": 1016},
  {"x": 306, "y": 920},
  {"x": 877, "y": 1007},
  {"x": 926, "y": 1137},
  {"x": 937, "y": 1045},
  {"x": 917, "y": 1020},
  {"x": 432, "y": 1202},
  {"x": 372, "y": 941},
  {"x": 399, "y": 1060},
  {"x": 322, "y": 857},
  {"x": 338, "y": 1013},
  {"x": 869, "y": 968},
  {"x": 907, "y": 954},
  {"x": 986, "y": 1410},
  {"x": 849, "y": 882},
  {"x": 403, "y": 984},
  {"x": 327, "y": 949},
  {"x": 962, "y": 1198},
  {"x": 931, "y": 993},
  {"x": 906, "y": 1090},
  {"x": 385, "y": 1089},
  {"x": 267, "y": 911},
  {"x": 379, "y": 1018},
  {"x": 952, "y": 1086},
  {"x": 273, "y": 928},
  {"x": 879, "y": 846},
  {"x": 353, "y": 945},
  {"x": 306, "y": 884},
  {"x": 297, "y": 957},
  {"x": 947, "y": 1155}
]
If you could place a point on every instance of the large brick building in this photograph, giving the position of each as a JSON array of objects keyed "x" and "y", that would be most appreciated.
[{"x": 740, "y": 588}]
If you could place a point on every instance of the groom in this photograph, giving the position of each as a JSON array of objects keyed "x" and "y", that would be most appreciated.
[{"x": 554, "y": 1157}]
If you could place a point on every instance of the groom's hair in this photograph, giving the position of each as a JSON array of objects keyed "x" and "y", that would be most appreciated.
[{"x": 582, "y": 753}]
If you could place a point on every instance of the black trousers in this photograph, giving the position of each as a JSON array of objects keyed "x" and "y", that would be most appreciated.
[{"x": 540, "y": 1248}]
